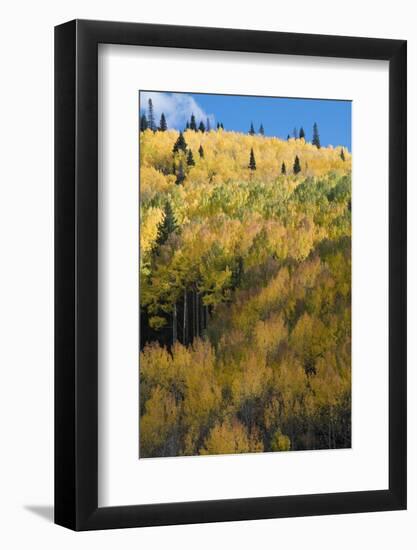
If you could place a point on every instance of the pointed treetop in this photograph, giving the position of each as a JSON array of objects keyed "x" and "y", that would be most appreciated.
[
  {"x": 167, "y": 225},
  {"x": 193, "y": 124},
  {"x": 261, "y": 130},
  {"x": 283, "y": 169},
  {"x": 316, "y": 136},
  {"x": 297, "y": 166},
  {"x": 252, "y": 162},
  {"x": 342, "y": 154},
  {"x": 190, "y": 158},
  {"x": 163, "y": 124},
  {"x": 302, "y": 134},
  {"x": 180, "y": 144},
  {"x": 251, "y": 129},
  {"x": 201, "y": 151},
  {"x": 201, "y": 126},
  {"x": 151, "y": 116}
]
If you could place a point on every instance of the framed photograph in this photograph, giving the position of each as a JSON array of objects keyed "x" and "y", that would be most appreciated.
[{"x": 230, "y": 254}]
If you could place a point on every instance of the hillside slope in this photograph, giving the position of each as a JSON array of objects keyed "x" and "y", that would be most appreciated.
[{"x": 245, "y": 294}]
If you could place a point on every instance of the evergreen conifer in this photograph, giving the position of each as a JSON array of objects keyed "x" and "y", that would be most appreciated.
[{"x": 252, "y": 162}]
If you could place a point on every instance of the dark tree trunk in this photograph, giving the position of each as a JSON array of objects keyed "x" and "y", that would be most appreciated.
[
  {"x": 174, "y": 324},
  {"x": 184, "y": 328},
  {"x": 202, "y": 327},
  {"x": 192, "y": 315},
  {"x": 197, "y": 308}
]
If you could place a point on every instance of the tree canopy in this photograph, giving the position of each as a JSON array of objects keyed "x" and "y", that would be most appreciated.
[
  {"x": 245, "y": 294},
  {"x": 316, "y": 137},
  {"x": 151, "y": 116},
  {"x": 297, "y": 165},
  {"x": 180, "y": 144},
  {"x": 163, "y": 123},
  {"x": 252, "y": 162}
]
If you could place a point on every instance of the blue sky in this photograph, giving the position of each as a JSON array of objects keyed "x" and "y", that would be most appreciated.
[{"x": 279, "y": 116}]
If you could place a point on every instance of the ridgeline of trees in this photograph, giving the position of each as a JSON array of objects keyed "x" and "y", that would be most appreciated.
[
  {"x": 147, "y": 121},
  {"x": 245, "y": 293},
  {"x": 316, "y": 137}
]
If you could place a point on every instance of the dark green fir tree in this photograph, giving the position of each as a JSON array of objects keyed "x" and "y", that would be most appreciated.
[
  {"x": 316, "y": 136},
  {"x": 283, "y": 169},
  {"x": 180, "y": 144},
  {"x": 252, "y": 162},
  {"x": 251, "y": 129},
  {"x": 201, "y": 151},
  {"x": 297, "y": 166},
  {"x": 163, "y": 124},
  {"x": 190, "y": 158},
  {"x": 342, "y": 154},
  {"x": 143, "y": 123},
  {"x": 302, "y": 134},
  {"x": 167, "y": 225},
  {"x": 193, "y": 124},
  {"x": 151, "y": 116},
  {"x": 261, "y": 130},
  {"x": 201, "y": 126}
]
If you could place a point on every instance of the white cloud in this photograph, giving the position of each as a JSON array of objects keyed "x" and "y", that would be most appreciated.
[{"x": 177, "y": 108}]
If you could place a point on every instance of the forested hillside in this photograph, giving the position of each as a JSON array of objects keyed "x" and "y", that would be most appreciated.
[{"x": 245, "y": 293}]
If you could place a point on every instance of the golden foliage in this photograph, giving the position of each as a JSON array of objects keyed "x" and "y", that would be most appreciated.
[
  {"x": 231, "y": 437},
  {"x": 158, "y": 422},
  {"x": 249, "y": 298},
  {"x": 280, "y": 442}
]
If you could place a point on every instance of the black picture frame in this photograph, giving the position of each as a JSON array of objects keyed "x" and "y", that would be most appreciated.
[{"x": 76, "y": 272}]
